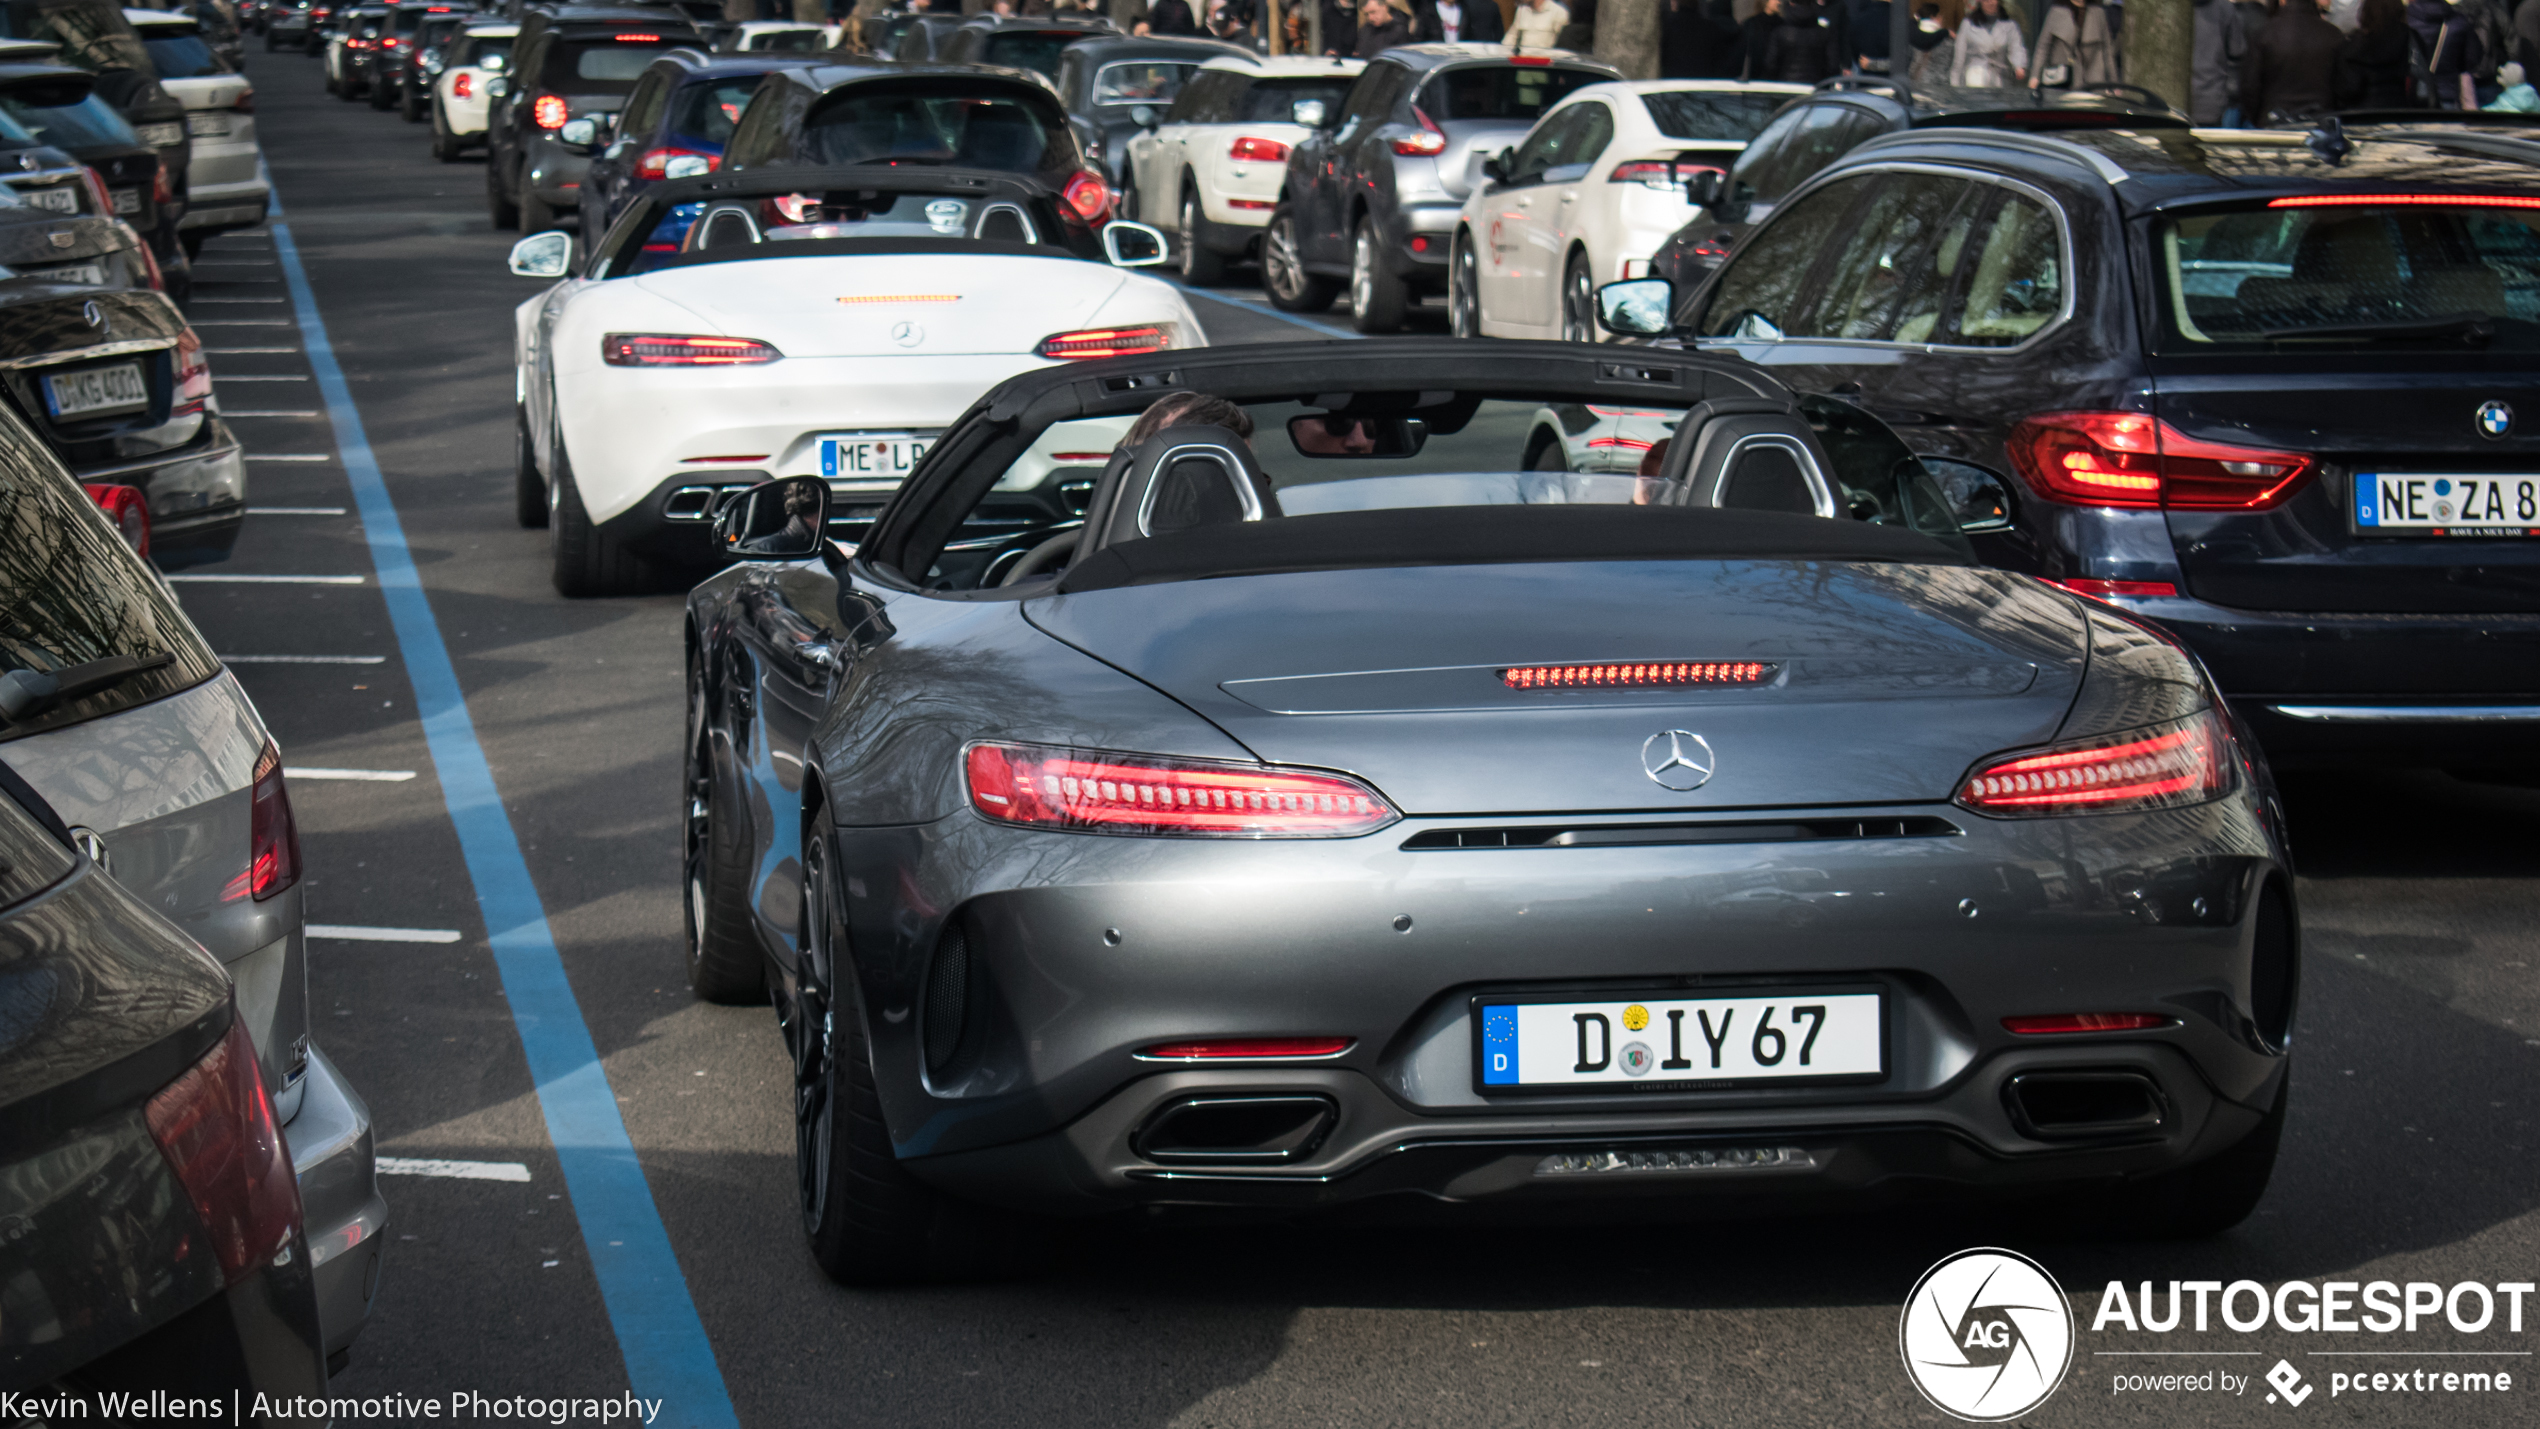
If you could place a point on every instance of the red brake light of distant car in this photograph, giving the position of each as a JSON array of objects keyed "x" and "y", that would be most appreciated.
[
  {"x": 653, "y": 161},
  {"x": 1105, "y": 342},
  {"x": 273, "y": 862},
  {"x": 1099, "y": 792},
  {"x": 388, "y": 42},
  {"x": 637, "y": 39},
  {"x": 644, "y": 349},
  {"x": 2055, "y": 1023},
  {"x": 548, "y": 112},
  {"x": 126, "y": 511},
  {"x": 462, "y": 85},
  {"x": 2104, "y": 590},
  {"x": 215, "y": 1125},
  {"x": 357, "y": 44},
  {"x": 1643, "y": 675},
  {"x": 245, "y": 103},
  {"x": 2183, "y": 762},
  {"x": 1087, "y": 194},
  {"x": 2129, "y": 459},
  {"x": 1530, "y": 59},
  {"x": 1429, "y": 141},
  {"x": 1214, "y": 1049},
  {"x": 1267, "y": 151},
  {"x": 193, "y": 374},
  {"x": 1665, "y": 174}
]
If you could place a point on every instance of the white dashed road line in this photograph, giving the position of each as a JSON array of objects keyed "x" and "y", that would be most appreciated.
[
  {"x": 295, "y": 510},
  {"x": 290, "y": 456},
  {"x": 304, "y": 659},
  {"x": 273, "y": 580},
  {"x": 453, "y": 1170}
]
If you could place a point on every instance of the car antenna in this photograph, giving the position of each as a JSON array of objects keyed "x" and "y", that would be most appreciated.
[{"x": 2329, "y": 141}]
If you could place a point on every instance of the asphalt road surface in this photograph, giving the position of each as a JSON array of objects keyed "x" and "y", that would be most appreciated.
[{"x": 2411, "y": 1154}]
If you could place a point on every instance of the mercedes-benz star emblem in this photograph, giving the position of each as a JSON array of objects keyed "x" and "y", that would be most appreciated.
[
  {"x": 1677, "y": 759},
  {"x": 907, "y": 334},
  {"x": 2494, "y": 419},
  {"x": 94, "y": 311}
]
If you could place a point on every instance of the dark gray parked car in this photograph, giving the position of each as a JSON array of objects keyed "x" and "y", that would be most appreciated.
[
  {"x": 1372, "y": 197},
  {"x": 1319, "y": 807},
  {"x": 575, "y": 62}
]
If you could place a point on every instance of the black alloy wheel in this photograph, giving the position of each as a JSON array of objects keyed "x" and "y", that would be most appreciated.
[
  {"x": 1292, "y": 289},
  {"x": 587, "y": 560},
  {"x": 1202, "y": 267},
  {"x": 1377, "y": 295},
  {"x": 1464, "y": 288},
  {"x": 1578, "y": 301},
  {"x": 724, "y": 964}
]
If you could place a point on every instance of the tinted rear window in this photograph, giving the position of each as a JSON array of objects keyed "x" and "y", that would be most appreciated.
[
  {"x": 1712, "y": 114},
  {"x": 2353, "y": 275},
  {"x": 900, "y": 124},
  {"x": 1141, "y": 82},
  {"x": 496, "y": 46},
  {"x": 709, "y": 111},
  {"x": 1274, "y": 101},
  {"x": 1032, "y": 50},
  {"x": 1502, "y": 91},
  {"x": 89, "y": 124},
  {"x": 72, "y": 593},
  {"x": 599, "y": 66},
  {"x": 183, "y": 57}
]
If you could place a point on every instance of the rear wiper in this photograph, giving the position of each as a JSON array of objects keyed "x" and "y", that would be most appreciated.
[
  {"x": 26, "y": 694},
  {"x": 2472, "y": 329}
]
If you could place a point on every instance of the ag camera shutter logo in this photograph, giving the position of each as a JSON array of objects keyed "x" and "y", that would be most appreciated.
[{"x": 1986, "y": 1335}]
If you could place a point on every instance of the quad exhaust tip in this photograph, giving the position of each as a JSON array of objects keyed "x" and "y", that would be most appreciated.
[
  {"x": 1255, "y": 1130},
  {"x": 2085, "y": 1106}
]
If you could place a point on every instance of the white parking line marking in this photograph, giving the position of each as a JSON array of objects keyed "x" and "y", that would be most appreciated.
[
  {"x": 295, "y": 510},
  {"x": 453, "y": 1170},
  {"x": 244, "y": 322},
  {"x": 233, "y": 262},
  {"x": 262, "y": 376},
  {"x": 338, "y": 932},
  {"x": 274, "y": 580},
  {"x": 242, "y": 351},
  {"x": 304, "y": 659},
  {"x": 360, "y": 776},
  {"x": 238, "y": 300},
  {"x": 290, "y": 456},
  {"x": 241, "y": 412}
]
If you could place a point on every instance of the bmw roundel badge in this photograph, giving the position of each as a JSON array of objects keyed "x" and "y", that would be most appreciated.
[{"x": 2494, "y": 420}]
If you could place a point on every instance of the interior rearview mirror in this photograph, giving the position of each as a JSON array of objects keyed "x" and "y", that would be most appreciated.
[
  {"x": 1341, "y": 434},
  {"x": 1637, "y": 307},
  {"x": 1308, "y": 112},
  {"x": 1132, "y": 245},
  {"x": 774, "y": 521},
  {"x": 543, "y": 255}
]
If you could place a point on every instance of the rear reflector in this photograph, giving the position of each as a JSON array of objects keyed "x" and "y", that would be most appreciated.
[
  {"x": 685, "y": 460},
  {"x": 1581, "y": 677},
  {"x": 2057, "y": 1023},
  {"x": 1250, "y": 203},
  {"x": 1098, "y": 792},
  {"x": 1105, "y": 342},
  {"x": 644, "y": 349},
  {"x": 1246, "y": 1048},
  {"x": 2132, "y": 590},
  {"x": 215, "y": 1126},
  {"x": 2183, "y": 762}
]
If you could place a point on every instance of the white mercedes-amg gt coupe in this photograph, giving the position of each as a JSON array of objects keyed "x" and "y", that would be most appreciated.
[{"x": 733, "y": 328}]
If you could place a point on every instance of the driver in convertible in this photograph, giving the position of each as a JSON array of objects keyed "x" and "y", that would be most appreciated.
[{"x": 1187, "y": 409}]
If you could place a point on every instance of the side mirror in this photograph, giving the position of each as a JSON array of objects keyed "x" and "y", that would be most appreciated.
[
  {"x": 1338, "y": 434},
  {"x": 774, "y": 520},
  {"x": 497, "y": 87},
  {"x": 1308, "y": 112},
  {"x": 543, "y": 255},
  {"x": 687, "y": 166},
  {"x": 1975, "y": 497},
  {"x": 579, "y": 135},
  {"x": 1702, "y": 187},
  {"x": 1495, "y": 167},
  {"x": 1637, "y": 307},
  {"x": 491, "y": 64},
  {"x": 1132, "y": 245},
  {"x": 1144, "y": 116}
]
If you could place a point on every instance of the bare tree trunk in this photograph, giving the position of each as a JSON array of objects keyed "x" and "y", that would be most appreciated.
[
  {"x": 1627, "y": 36},
  {"x": 2160, "y": 43}
]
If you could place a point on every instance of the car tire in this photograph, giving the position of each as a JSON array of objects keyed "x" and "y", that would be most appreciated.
[
  {"x": 409, "y": 108},
  {"x": 535, "y": 215},
  {"x": 1578, "y": 300},
  {"x": 498, "y": 198},
  {"x": 1463, "y": 288},
  {"x": 445, "y": 145},
  {"x": 1545, "y": 453},
  {"x": 529, "y": 489},
  {"x": 271, "y": 42},
  {"x": 380, "y": 96},
  {"x": 1291, "y": 288},
  {"x": 723, "y": 957},
  {"x": 1377, "y": 297},
  {"x": 333, "y": 88},
  {"x": 1202, "y": 266},
  {"x": 587, "y": 560}
]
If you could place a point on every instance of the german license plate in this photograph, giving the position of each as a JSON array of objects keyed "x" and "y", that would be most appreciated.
[
  {"x": 69, "y": 273},
  {"x": 60, "y": 198},
  {"x": 870, "y": 458},
  {"x": 1635, "y": 1042},
  {"x": 160, "y": 136},
  {"x": 99, "y": 389},
  {"x": 2447, "y": 504},
  {"x": 207, "y": 126},
  {"x": 127, "y": 200}
]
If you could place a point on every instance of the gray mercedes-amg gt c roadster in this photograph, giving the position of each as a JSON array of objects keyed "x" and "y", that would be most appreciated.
[{"x": 1232, "y": 779}]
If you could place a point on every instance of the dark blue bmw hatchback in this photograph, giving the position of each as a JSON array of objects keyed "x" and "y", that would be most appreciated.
[
  {"x": 674, "y": 126},
  {"x": 2275, "y": 390}
]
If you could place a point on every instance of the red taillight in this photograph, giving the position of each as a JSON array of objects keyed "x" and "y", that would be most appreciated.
[
  {"x": 215, "y": 1126},
  {"x": 462, "y": 85},
  {"x": 1641, "y": 675},
  {"x": 1530, "y": 59},
  {"x": 2129, "y": 459},
  {"x": 2403, "y": 201},
  {"x": 645, "y": 349},
  {"x": 548, "y": 112},
  {"x": 150, "y": 266},
  {"x": 2136, "y": 590},
  {"x": 96, "y": 182},
  {"x": 2182, "y": 762},
  {"x": 1657, "y": 173},
  {"x": 127, "y": 510},
  {"x": 245, "y": 103},
  {"x": 1087, "y": 194},
  {"x": 1430, "y": 140},
  {"x": 357, "y": 44},
  {"x": 1216, "y": 1049},
  {"x": 654, "y": 161},
  {"x": 193, "y": 374},
  {"x": 389, "y": 43},
  {"x": 1105, "y": 342},
  {"x": 161, "y": 191},
  {"x": 1140, "y": 794},
  {"x": 1267, "y": 151},
  {"x": 2054, "y": 1023},
  {"x": 273, "y": 861}
]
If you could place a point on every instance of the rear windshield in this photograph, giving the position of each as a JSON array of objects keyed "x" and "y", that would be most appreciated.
[
  {"x": 1035, "y": 50},
  {"x": 71, "y": 594},
  {"x": 1141, "y": 82},
  {"x": 1712, "y": 114},
  {"x": 182, "y": 57},
  {"x": 794, "y": 41},
  {"x": 1502, "y": 91},
  {"x": 893, "y": 124},
  {"x": 709, "y": 111},
  {"x": 1274, "y": 101},
  {"x": 90, "y": 124},
  {"x": 600, "y": 66},
  {"x": 2343, "y": 275},
  {"x": 497, "y": 48}
]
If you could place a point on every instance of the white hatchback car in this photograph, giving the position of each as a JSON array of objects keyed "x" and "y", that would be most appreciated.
[
  {"x": 225, "y": 183},
  {"x": 778, "y": 36},
  {"x": 1590, "y": 192},
  {"x": 812, "y": 322},
  {"x": 1211, "y": 170},
  {"x": 478, "y": 56}
]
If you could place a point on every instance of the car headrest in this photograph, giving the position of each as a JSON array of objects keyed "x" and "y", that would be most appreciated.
[
  {"x": 1178, "y": 479},
  {"x": 724, "y": 226},
  {"x": 1750, "y": 454}
]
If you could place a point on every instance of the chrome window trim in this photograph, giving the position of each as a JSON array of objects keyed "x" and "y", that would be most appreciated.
[
  {"x": 1031, "y": 231},
  {"x": 1232, "y": 465},
  {"x": 1819, "y": 488}
]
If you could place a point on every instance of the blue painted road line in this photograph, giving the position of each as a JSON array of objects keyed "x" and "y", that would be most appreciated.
[
  {"x": 1265, "y": 310},
  {"x": 668, "y": 1356}
]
